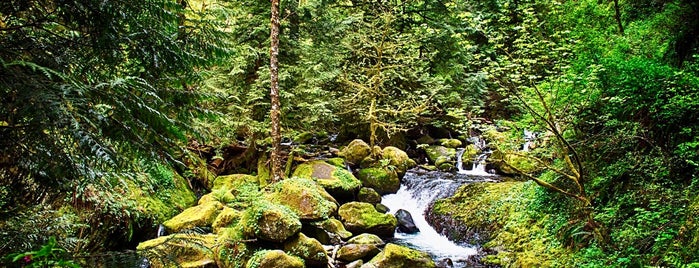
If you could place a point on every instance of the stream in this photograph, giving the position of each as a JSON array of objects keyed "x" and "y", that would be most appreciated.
[{"x": 417, "y": 191}]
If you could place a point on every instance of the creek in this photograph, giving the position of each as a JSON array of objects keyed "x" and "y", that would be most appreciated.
[{"x": 417, "y": 191}]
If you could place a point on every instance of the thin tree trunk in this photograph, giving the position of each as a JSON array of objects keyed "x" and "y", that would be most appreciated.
[
  {"x": 275, "y": 113},
  {"x": 617, "y": 16}
]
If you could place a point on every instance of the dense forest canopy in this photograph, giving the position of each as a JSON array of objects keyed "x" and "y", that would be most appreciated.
[{"x": 104, "y": 102}]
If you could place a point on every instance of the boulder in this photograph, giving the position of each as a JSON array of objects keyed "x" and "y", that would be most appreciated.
[
  {"x": 356, "y": 151},
  {"x": 383, "y": 180},
  {"x": 450, "y": 143},
  {"x": 308, "y": 249},
  {"x": 269, "y": 222},
  {"x": 233, "y": 181},
  {"x": 399, "y": 159},
  {"x": 524, "y": 164},
  {"x": 366, "y": 239},
  {"x": 363, "y": 246},
  {"x": 180, "y": 250},
  {"x": 442, "y": 157},
  {"x": 197, "y": 216},
  {"x": 361, "y": 217},
  {"x": 303, "y": 196},
  {"x": 274, "y": 259},
  {"x": 395, "y": 256},
  {"x": 368, "y": 195},
  {"x": 339, "y": 182},
  {"x": 382, "y": 208},
  {"x": 405, "y": 222},
  {"x": 330, "y": 231},
  {"x": 227, "y": 217}
]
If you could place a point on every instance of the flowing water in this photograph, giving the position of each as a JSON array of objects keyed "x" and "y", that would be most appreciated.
[{"x": 417, "y": 191}]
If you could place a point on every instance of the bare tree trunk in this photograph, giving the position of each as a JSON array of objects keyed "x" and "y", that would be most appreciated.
[
  {"x": 275, "y": 113},
  {"x": 617, "y": 16}
]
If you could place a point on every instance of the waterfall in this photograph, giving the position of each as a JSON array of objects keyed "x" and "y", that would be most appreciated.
[
  {"x": 479, "y": 164},
  {"x": 416, "y": 192},
  {"x": 529, "y": 137}
]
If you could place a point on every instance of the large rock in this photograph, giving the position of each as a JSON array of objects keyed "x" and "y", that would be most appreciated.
[
  {"x": 227, "y": 217},
  {"x": 384, "y": 181},
  {"x": 233, "y": 181},
  {"x": 405, "y": 222},
  {"x": 361, "y": 217},
  {"x": 442, "y": 157},
  {"x": 270, "y": 222},
  {"x": 363, "y": 246},
  {"x": 330, "y": 231},
  {"x": 356, "y": 151},
  {"x": 180, "y": 250},
  {"x": 368, "y": 195},
  {"x": 395, "y": 256},
  {"x": 339, "y": 182},
  {"x": 274, "y": 259},
  {"x": 197, "y": 216},
  {"x": 309, "y": 249},
  {"x": 303, "y": 196},
  {"x": 399, "y": 159},
  {"x": 450, "y": 143},
  {"x": 508, "y": 164}
]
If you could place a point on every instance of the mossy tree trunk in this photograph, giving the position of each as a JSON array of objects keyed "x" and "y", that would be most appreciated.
[{"x": 275, "y": 111}]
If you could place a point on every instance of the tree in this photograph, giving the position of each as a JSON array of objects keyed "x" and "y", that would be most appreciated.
[{"x": 275, "y": 110}]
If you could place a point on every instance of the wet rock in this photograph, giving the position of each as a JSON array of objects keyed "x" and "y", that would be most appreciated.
[
  {"x": 328, "y": 232},
  {"x": 361, "y": 217},
  {"x": 445, "y": 263},
  {"x": 274, "y": 259},
  {"x": 382, "y": 208},
  {"x": 399, "y": 159},
  {"x": 303, "y": 196},
  {"x": 356, "y": 151},
  {"x": 383, "y": 180},
  {"x": 353, "y": 252},
  {"x": 405, "y": 222},
  {"x": 450, "y": 143},
  {"x": 368, "y": 195},
  {"x": 309, "y": 249},
  {"x": 395, "y": 256}
]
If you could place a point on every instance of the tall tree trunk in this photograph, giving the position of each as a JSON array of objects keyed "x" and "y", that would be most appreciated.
[
  {"x": 617, "y": 16},
  {"x": 275, "y": 113}
]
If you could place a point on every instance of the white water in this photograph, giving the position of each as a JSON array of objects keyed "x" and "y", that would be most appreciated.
[
  {"x": 478, "y": 165},
  {"x": 427, "y": 239}
]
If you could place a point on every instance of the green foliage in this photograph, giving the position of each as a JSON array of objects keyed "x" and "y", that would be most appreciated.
[{"x": 49, "y": 255}]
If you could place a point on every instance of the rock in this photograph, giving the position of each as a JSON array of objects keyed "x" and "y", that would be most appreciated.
[
  {"x": 353, "y": 252},
  {"x": 469, "y": 155},
  {"x": 227, "y": 217},
  {"x": 382, "y": 208},
  {"x": 270, "y": 222},
  {"x": 222, "y": 195},
  {"x": 356, "y": 151},
  {"x": 233, "y": 181},
  {"x": 339, "y": 182},
  {"x": 328, "y": 232},
  {"x": 309, "y": 249},
  {"x": 368, "y": 195},
  {"x": 337, "y": 161},
  {"x": 383, "y": 180},
  {"x": 498, "y": 160},
  {"x": 274, "y": 259},
  {"x": 395, "y": 256},
  {"x": 303, "y": 196},
  {"x": 399, "y": 159},
  {"x": 405, "y": 222},
  {"x": 172, "y": 251},
  {"x": 363, "y": 218},
  {"x": 304, "y": 138},
  {"x": 366, "y": 239},
  {"x": 445, "y": 263},
  {"x": 354, "y": 264},
  {"x": 450, "y": 143},
  {"x": 440, "y": 155},
  {"x": 197, "y": 216}
]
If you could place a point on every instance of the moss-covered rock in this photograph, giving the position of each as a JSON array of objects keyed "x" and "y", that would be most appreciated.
[
  {"x": 522, "y": 163},
  {"x": 270, "y": 222},
  {"x": 366, "y": 239},
  {"x": 383, "y": 180},
  {"x": 368, "y": 195},
  {"x": 361, "y": 217},
  {"x": 337, "y": 161},
  {"x": 356, "y": 151},
  {"x": 308, "y": 249},
  {"x": 180, "y": 250},
  {"x": 226, "y": 218},
  {"x": 274, "y": 259},
  {"x": 450, "y": 143},
  {"x": 339, "y": 182},
  {"x": 303, "y": 196},
  {"x": 232, "y": 181},
  {"x": 469, "y": 155},
  {"x": 197, "y": 216},
  {"x": 442, "y": 157},
  {"x": 395, "y": 256},
  {"x": 328, "y": 232},
  {"x": 166, "y": 202},
  {"x": 353, "y": 252},
  {"x": 399, "y": 159}
]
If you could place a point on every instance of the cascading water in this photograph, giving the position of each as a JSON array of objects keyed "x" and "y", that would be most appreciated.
[
  {"x": 479, "y": 163},
  {"x": 529, "y": 137},
  {"x": 417, "y": 191}
]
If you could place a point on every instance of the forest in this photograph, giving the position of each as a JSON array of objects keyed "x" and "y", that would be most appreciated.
[{"x": 120, "y": 117}]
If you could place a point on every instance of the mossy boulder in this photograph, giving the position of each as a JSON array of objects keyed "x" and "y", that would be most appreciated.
[
  {"x": 227, "y": 217},
  {"x": 274, "y": 259},
  {"x": 508, "y": 164},
  {"x": 363, "y": 246},
  {"x": 356, "y": 151},
  {"x": 303, "y": 196},
  {"x": 368, "y": 195},
  {"x": 360, "y": 217},
  {"x": 337, "y": 161},
  {"x": 308, "y": 249},
  {"x": 450, "y": 143},
  {"x": 197, "y": 216},
  {"x": 330, "y": 231},
  {"x": 395, "y": 256},
  {"x": 469, "y": 155},
  {"x": 383, "y": 180},
  {"x": 166, "y": 203},
  {"x": 182, "y": 250},
  {"x": 269, "y": 222},
  {"x": 339, "y": 182},
  {"x": 233, "y": 181},
  {"x": 442, "y": 157},
  {"x": 399, "y": 159},
  {"x": 366, "y": 239}
]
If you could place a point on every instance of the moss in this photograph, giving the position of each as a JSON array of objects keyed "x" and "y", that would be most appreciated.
[
  {"x": 335, "y": 180},
  {"x": 227, "y": 217},
  {"x": 197, "y": 216},
  {"x": 232, "y": 181},
  {"x": 395, "y": 256},
  {"x": 269, "y": 222},
  {"x": 180, "y": 250},
  {"x": 303, "y": 196},
  {"x": 274, "y": 259},
  {"x": 437, "y": 153},
  {"x": 361, "y": 217},
  {"x": 399, "y": 159},
  {"x": 450, "y": 143},
  {"x": 356, "y": 151},
  {"x": 166, "y": 203},
  {"x": 309, "y": 249},
  {"x": 368, "y": 195},
  {"x": 383, "y": 180},
  {"x": 337, "y": 161}
]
